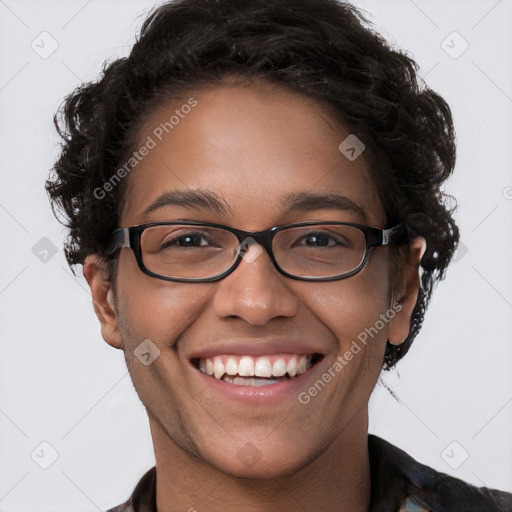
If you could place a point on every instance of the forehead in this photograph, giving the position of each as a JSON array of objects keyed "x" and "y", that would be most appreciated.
[{"x": 251, "y": 146}]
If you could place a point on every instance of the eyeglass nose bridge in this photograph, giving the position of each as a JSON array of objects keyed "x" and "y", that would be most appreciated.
[{"x": 248, "y": 238}]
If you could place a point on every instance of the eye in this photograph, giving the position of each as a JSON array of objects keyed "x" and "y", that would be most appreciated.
[
  {"x": 191, "y": 239},
  {"x": 318, "y": 239},
  {"x": 323, "y": 239}
]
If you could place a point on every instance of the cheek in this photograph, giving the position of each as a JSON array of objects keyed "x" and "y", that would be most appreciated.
[
  {"x": 158, "y": 310},
  {"x": 350, "y": 306}
]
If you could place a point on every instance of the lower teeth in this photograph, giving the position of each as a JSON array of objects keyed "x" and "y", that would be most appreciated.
[{"x": 249, "y": 381}]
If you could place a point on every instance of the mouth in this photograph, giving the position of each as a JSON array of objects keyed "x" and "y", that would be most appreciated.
[{"x": 247, "y": 370}]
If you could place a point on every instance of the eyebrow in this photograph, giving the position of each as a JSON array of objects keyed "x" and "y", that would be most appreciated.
[
  {"x": 307, "y": 201},
  {"x": 198, "y": 198},
  {"x": 210, "y": 201}
]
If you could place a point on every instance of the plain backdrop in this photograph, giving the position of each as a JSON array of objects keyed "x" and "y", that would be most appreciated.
[{"x": 63, "y": 386}]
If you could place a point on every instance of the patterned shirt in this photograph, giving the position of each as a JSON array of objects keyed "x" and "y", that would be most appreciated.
[{"x": 398, "y": 484}]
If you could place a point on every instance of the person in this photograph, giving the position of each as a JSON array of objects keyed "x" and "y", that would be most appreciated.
[{"x": 255, "y": 196}]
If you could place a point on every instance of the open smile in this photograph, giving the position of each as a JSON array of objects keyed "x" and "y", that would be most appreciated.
[{"x": 265, "y": 379}]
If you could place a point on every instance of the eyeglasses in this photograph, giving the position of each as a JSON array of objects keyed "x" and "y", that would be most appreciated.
[{"x": 190, "y": 251}]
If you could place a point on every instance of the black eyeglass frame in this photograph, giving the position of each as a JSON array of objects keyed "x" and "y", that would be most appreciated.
[{"x": 130, "y": 237}]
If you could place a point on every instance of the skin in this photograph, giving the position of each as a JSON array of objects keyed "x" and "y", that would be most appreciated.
[{"x": 253, "y": 145}]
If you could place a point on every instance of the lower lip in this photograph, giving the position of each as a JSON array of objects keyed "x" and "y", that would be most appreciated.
[{"x": 268, "y": 394}]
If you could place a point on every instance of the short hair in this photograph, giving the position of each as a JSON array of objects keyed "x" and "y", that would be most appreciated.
[{"x": 324, "y": 49}]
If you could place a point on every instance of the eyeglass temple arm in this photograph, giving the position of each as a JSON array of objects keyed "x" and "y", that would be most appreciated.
[
  {"x": 393, "y": 235},
  {"x": 121, "y": 239}
]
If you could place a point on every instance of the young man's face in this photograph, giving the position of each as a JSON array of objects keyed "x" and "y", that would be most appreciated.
[{"x": 252, "y": 147}]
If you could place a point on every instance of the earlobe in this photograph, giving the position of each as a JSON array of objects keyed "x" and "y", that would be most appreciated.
[
  {"x": 103, "y": 300},
  {"x": 399, "y": 326}
]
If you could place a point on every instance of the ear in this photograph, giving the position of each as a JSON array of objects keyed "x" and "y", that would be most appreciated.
[
  {"x": 407, "y": 295},
  {"x": 103, "y": 300}
]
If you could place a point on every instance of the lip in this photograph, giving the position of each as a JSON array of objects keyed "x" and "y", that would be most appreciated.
[{"x": 270, "y": 394}]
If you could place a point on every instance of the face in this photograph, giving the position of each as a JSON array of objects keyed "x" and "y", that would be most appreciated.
[{"x": 252, "y": 148}]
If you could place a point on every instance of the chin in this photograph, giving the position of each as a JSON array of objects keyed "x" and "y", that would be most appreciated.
[{"x": 259, "y": 461}]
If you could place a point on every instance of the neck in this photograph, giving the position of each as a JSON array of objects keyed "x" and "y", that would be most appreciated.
[{"x": 337, "y": 480}]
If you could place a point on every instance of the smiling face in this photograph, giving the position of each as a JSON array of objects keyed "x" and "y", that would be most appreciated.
[{"x": 251, "y": 157}]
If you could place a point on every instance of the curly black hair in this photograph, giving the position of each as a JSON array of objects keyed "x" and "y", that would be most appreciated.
[{"x": 324, "y": 49}]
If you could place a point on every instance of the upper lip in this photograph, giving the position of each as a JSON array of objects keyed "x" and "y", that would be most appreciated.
[{"x": 255, "y": 348}]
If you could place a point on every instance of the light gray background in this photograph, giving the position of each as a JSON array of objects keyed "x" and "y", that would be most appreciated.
[{"x": 60, "y": 383}]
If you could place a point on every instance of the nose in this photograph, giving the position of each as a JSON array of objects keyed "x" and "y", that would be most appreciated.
[{"x": 255, "y": 291}]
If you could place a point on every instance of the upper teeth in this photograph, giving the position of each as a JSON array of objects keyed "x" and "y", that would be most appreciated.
[{"x": 247, "y": 366}]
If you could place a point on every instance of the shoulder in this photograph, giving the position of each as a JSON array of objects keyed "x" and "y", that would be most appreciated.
[{"x": 394, "y": 469}]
